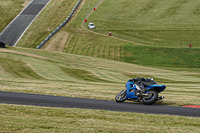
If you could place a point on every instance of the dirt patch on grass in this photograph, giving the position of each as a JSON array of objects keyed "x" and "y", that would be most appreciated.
[{"x": 58, "y": 44}]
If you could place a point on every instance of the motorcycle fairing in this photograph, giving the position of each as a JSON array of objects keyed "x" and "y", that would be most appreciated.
[{"x": 131, "y": 88}]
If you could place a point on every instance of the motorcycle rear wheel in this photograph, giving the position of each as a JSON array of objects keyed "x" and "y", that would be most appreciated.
[
  {"x": 121, "y": 96},
  {"x": 152, "y": 99}
]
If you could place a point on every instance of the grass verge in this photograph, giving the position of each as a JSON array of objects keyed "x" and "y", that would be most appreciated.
[{"x": 42, "y": 119}]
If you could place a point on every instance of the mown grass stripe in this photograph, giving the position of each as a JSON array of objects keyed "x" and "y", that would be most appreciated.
[{"x": 67, "y": 42}]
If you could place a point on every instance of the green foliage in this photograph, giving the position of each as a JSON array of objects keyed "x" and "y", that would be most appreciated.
[{"x": 159, "y": 56}]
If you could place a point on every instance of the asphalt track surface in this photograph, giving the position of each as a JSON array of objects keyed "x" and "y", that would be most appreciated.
[
  {"x": 13, "y": 32},
  {"x": 69, "y": 102}
]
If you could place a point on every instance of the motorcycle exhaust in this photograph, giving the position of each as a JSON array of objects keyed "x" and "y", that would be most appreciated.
[{"x": 161, "y": 97}]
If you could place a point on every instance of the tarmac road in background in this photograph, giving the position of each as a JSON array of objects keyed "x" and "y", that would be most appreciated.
[
  {"x": 69, "y": 102},
  {"x": 14, "y": 31}
]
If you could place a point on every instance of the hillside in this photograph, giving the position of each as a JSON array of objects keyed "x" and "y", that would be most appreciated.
[
  {"x": 61, "y": 68},
  {"x": 40, "y": 66},
  {"x": 156, "y": 28},
  {"x": 54, "y": 73},
  {"x": 171, "y": 23}
]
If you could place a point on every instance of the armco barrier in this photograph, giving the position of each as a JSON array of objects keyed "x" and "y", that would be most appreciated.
[{"x": 59, "y": 27}]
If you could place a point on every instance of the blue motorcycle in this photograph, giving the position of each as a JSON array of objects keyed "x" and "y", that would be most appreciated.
[{"x": 140, "y": 89}]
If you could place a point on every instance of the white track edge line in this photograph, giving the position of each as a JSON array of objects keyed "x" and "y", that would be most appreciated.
[
  {"x": 30, "y": 23},
  {"x": 15, "y": 17}
]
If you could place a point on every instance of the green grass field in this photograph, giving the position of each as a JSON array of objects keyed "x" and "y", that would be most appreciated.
[
  {"x": 171, "y": 23},
  {"x": 83, "y": 63},
  {"x": 15, "y": 118}
]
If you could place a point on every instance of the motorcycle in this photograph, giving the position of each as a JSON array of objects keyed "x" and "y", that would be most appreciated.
[{"x": 140, "y": 89}]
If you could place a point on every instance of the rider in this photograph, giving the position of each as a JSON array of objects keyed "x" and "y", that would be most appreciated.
[{"x": 142, "y": 82}]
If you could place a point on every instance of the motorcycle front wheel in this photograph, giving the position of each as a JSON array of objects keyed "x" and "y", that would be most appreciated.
[
  {"x": 121, "y": 96},
  {"x": 150, "y": 98}
]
